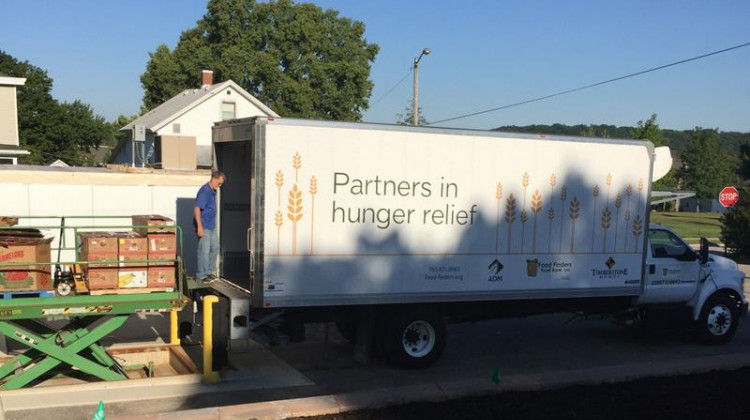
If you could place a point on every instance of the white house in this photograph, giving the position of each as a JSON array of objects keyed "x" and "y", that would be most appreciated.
[
  {"x": 177, "y": 133},
  {"x": 10, "y": 149}
]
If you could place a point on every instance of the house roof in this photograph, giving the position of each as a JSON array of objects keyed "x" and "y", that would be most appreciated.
[
  {"x": 11, "y": 81},
  {"x": 12, "y": 150},
  {"x": 167, "y": 112}
]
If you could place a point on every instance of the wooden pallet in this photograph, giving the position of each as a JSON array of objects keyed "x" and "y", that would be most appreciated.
[{"x": 133, "y": 291}]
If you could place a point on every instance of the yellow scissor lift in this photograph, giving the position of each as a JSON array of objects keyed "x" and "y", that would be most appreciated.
[{"x": 76, "y": 344}]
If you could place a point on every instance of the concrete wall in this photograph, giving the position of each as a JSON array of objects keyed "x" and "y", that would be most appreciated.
[{"x": 30, "y": 194}]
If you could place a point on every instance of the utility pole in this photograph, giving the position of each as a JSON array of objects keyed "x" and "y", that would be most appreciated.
[{"x": 415, "y": 102}]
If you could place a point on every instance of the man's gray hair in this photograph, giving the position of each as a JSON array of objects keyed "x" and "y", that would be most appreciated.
[{"x": 218, "y": 174}]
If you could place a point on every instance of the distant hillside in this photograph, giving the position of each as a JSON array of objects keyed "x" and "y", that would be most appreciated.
[{"x": 732, "y": 140}]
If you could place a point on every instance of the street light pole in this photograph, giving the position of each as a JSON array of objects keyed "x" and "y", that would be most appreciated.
[{"x": 415, "y": 102}]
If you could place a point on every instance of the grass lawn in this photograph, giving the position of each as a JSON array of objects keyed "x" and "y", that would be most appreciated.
[{"x": 690, "y": 226}]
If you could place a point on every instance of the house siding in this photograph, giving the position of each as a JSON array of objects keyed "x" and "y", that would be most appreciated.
[{"x": 8, "y": 116}]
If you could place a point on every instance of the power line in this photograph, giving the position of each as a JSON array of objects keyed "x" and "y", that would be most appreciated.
[
  {"x": 394, "y": 87},
  {"x": 592, "y": 85}
]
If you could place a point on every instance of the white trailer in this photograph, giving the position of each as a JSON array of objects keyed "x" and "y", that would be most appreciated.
[{"x": 395, "y": 230}]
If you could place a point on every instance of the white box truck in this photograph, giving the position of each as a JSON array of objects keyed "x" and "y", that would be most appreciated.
[{"x": 392, "y": 231}]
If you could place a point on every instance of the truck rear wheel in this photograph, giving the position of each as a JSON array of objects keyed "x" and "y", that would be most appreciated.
[
  {"x": 413, "y": 340},
  {"x": 718, "y": 320}
]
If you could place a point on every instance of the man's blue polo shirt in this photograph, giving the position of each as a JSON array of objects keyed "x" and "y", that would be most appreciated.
[{"x": 206, "y": 201}]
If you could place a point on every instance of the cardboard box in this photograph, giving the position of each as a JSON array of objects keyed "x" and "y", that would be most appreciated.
[
  {"x": 98, "y": 246},
  {"x": 132, "y": 247},
  {"x": 132, "y": 278},
  {"x": 102, "y": 278},
  {"x": 162, "y": 249},
  {"x": 153, "y": 223},
  {"x": 25, "y": 276},
  {"x": 161, "y": 277}
]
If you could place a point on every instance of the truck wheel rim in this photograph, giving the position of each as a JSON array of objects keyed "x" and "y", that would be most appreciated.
[
  {"x": 418, "y": 339},
  {"x": 719, "y": 320}
]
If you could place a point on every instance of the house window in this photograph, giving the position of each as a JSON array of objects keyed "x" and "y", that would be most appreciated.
[
  {"x": 176, "y": 128},
  {"x": 227, "y": 111}
]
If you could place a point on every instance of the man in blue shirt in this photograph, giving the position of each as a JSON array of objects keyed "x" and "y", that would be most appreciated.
[{"x": 204, "y": 214}]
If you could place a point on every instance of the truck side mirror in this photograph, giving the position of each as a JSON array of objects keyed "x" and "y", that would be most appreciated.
[{"x": 704, "y": 251}]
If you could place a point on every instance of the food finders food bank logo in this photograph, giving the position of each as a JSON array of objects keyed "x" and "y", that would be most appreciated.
[{"x": 611, "y": 272}]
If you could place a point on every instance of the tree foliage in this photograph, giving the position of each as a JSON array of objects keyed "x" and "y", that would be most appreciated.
[
  {"x": 407, "y": 118},
  {"x": 48, "y": 129},
  {"x": 649, "y": 130},
  {"x": 735, "y": 221},
  {"x": 707, "y": 167},
  {"x": 298, "y": 59}
]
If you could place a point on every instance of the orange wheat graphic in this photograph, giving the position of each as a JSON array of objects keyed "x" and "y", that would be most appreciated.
[
  {"x": 296, "y": 164},
  {"x": 295, "y": 213},
  {"x": 637, "y": 230},
  {"x": 279, "y": 220},
  {"x": 536, "y": 206},
  {"x": 618, "y": 204},
  {"x": 593, "y": 215},
  {"x": 628, "y": 193},
  {"x": 279, "y": 184},
  {"x": 551, "y": 211},
  {"x": 498, "y": 197},
  {"x": 313, "y": 191},
  {"x": 575, "y": 211},
  {"x": 563, "y": 197},
  {"x": 510, "y": 215},
  {"x": 606, "y": 223}
]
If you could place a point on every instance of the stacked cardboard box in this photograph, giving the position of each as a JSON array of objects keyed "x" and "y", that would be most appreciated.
[
  {"x": 162, "y": 248},
  {"x": 24, "y": 247},
  {"x": 132, "y": 247},
  {"x": 95, "y": 247}
]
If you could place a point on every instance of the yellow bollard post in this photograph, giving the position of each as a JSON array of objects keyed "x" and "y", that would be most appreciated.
[
  {"x": 208, "y": 341},
  {"x": 174, "y": 338}
]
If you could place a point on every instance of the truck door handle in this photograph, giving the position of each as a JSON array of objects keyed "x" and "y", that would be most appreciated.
[
  {"x": 249, "y": 249},
  {"x": 247, "y": 240},
  {"x": 652, "y": 269}
]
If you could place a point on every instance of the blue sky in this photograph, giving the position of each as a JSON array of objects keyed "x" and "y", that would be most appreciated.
[{"x": 485, "y": 54}]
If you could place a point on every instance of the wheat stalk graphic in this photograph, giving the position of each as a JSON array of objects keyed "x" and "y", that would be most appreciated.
[
  {"x": 637, "y": 230},
  {"x": 640, "y": 188},
  {"x": 524, "y": 218},
  {"x": 498, "y": 197},
  {"x": 295, "y": 213},
  {"x": 279, "y": 220},
  {"x": 628, "y": 193},
  {"x": 313, "y": 191},
  {"x": 279, "y": 184},
  {"x": 563, "y": 197},
  {"x": 609, "y": 184},
  {"x": 510, "y": 216},
  {"x": 618, "y": 204},
  {"x": 551, "y": 211},
  {"x": 296, "y": 164},
  {"x": 606, "y": 223},
  {"x": 536, "y": 206},
  {"x": 593, "y": 220},
  {"x": 575, "y": 211}
]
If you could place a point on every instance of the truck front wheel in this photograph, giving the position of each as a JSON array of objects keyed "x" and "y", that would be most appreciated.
[
  {"x": 718, "y": 320},
  {"x": 413, "y": 340}
]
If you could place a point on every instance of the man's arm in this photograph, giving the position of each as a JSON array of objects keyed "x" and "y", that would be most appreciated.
[{"x": 198, "y": 223}]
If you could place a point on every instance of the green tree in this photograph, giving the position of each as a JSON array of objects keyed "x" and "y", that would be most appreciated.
[
  {"x": 407, "y": 117},
  {"x": 649, "y": 130},
  {"x": 298, "y": 59},
  {"x": 734, "y": 224},
  {"x": 707, "y": 167},
  {"x": 744, "y": 169},
  {"x": 48, "y": 129}
]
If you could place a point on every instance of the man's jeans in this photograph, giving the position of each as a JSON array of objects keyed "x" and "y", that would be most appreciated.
[{"x": 208, "y": 249}]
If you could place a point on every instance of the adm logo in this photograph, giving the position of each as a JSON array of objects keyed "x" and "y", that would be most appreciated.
[{"x": 495, "y": 268}]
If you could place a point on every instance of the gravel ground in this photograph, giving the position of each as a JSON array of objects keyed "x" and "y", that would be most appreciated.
[{"x": 713, "y": 395}]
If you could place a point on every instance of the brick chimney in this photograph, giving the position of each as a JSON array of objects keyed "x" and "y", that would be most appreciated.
[{"x": 208, "y": 78}]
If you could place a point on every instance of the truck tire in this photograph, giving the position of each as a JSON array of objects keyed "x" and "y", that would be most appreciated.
[
  {"x": 718, "y": 320},
  {"x": 413, "y": 340}
]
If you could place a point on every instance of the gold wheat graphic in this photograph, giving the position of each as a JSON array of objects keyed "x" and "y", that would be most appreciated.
[
  {"x": 575, "y": 211},
  {"x": 279, "y": 184},
  {"x": 606, "y": 223},
  {"x": 563, "y": 197},
  {"x": 313, "y": 191},
  {"x": 510, "y": 216},
  {"x": 593, "y": 215},
  {"x": 536, "y": 207},
  {"x": 640, "y": 189},
  {"x": 551, "y": 211},
  {"x": 618, "y": 204},
  {"x": 637, "y": 230},
  {"x": 294, "y": 213},
  {"x": 279, "y": 220},
  {"x": 628, "y": 193},
  {"x": 498, "y": 197},
  {"x": 296, "y": 164}
]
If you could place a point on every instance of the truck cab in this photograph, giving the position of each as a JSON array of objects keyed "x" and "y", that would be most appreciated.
[{"x": 709, "y": 287}]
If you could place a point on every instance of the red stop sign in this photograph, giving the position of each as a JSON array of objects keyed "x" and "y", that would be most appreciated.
[{"x": 729, "y": 196}]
